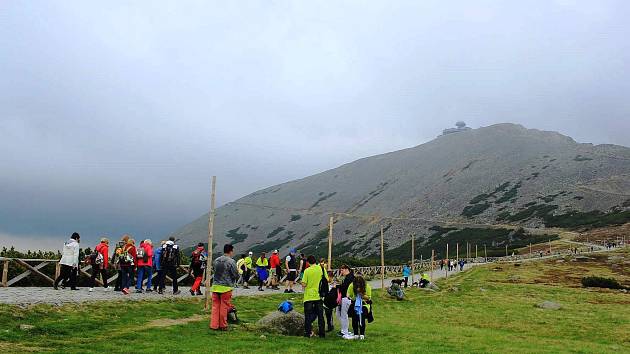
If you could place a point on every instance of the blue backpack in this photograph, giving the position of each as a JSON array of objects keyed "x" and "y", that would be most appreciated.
[{"x": 286, "y": 306}]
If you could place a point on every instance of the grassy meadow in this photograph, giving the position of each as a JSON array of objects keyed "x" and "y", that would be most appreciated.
[{"x": 489, "y": 309}]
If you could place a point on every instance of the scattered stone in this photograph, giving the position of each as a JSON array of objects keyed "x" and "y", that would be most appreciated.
[
  {"x": 291, "y": 324},
  {"x": 514, "y": 278},
  {"x": 549, "y": 305},
  {"x": 625, "y": 291},
  {"x": 453, "y": 289},
  {"x": 482, "y": 290},
  {"x": 262, "y": 336},
  {"x": 26, "y": 327}
]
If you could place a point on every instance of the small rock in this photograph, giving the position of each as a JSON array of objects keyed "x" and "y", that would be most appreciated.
[
  {"x": 262, "y": 336},
  {"x": 26, "y": 327},
  {"x": 482, "y": 290},
  {"x": 549, "y": 305},
  {"x": 453, "y": 289}
]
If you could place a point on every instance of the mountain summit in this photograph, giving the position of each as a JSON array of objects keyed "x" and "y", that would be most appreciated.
[{"x": 501, "y": 174}]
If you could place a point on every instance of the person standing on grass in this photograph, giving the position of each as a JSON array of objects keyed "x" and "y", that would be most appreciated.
[
  {"x": 344, "y": 306},
  {"x": 291, "y": 263},
  {"x": 361, "y": 294},
  {"x": 116, "y": 259},
  {"x": 100, "y": 268},
  {"x": 247, "y": 273},
  {"x": 262, "y": 263},
  {"x": 170, "y": 261},
  {"x": 406, "y": 273},
  {"x": 223, "y": 280},
  {"x": 158, "y": 285},
  {"x": 274, "y": 266},
  {"x": 328, "y": 309},
  {"x": 313, "y": 305},
  {"x": 197, "y": 266},
  {"x": 303, "y": 266},
  {"x": 240, "y": 266},
  {"x": 127, "y": 264},
  {"x": 145, "y": 265},
  {"x": 69, "y": 262}
]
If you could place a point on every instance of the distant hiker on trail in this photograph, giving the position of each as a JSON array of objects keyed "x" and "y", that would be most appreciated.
[
  {"x": 315, "y": 283},
  {"x": 406, "y": 273},
  {"x": 170, "y": 261},
  {"x": 145, "y": 265},
  {"x": 241, "y": 267},
  {"x": 276, "y": 270},
  {"x": 291, "y": 263},
  {"x": 249, "y": 263},
  {"x": 344, "y": 306},
  {"x": 157, "y": 259},
  {"x": 198, "y": 260},
  {"x": 361, "y": 294},
  {"x": 99, "y": 259},
  {"x": 117, "y": 258},
  {"x": 262, "y": 263},
  {"x": 128, "y": 261},
  {"x": 69, "y": 262},
  {"x": 461, "y": 264},
  {"x": 223, "y": 280}
]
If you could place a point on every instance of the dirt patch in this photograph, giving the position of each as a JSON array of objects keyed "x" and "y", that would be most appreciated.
[
  {"x": 6, "y": 347},
  {"x": 168, "y": 322}
]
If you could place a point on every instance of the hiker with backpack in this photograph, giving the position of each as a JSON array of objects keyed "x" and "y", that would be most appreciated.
[
  {"x": 170, "y": 261},
  {"x": 145, "y": 265},
  {"x": 247, "y": 272},
  {"x": 360, "y": 292},
  {"x": 276, "y": 270},
  {"x": 158, "y": 285},
  {"x": 291, "y": 263},
  {"x": 99, "y": 259},
  {"x": 118, "y": 250},
  {"x": 344, "y": 303},
  {"x": 69, "y": 262},
  {"x": 315, "y": 284},
  {"x": 303, "y": 265},
  {"x": 262, "y": 264},
  {"x": 198, "y": 260},
  {"x": 128, "y": 261},
  {"x": 223, "y": 281}
]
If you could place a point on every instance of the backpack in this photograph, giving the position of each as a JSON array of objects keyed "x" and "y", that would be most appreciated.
[
  {"x": 323, "y": 284},
  {"x": 169, "y": 255},
  {"x": 141, "y": 253},
  {"x": 286, "y": 306},
  {"x": 332, "y": 298}
]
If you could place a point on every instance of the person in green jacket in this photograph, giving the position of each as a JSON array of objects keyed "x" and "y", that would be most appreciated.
[
  {"x": 313, "y": 304},
  {"x": 247, "y": 273},
  {"x": 262, "y": 266},
  {"x": 360, "y": 292}
]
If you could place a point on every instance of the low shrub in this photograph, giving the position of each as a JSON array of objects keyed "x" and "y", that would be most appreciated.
[{"x": 601, "y": 282}]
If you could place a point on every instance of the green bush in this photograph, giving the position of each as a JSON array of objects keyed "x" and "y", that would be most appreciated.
[{"x": 601, "y": 282}]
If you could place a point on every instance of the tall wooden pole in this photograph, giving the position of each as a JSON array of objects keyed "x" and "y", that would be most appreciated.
[
  {"x": 476, "y": 251},
  {"x": 457, "y": 252},
  {"x": 5, "y": 273},
  {"x": 210, "y": 236},
  {"x": 413, "y": 256},
  {"x": 550, "y": 247},
  {"x": 330, "y": 239},
  {"x": 447, "y": 260},
  {"x": 530, "y": 249},
  {"x": 432, "y": 263},
  {"x": 506, "y": 252},
  {"x": 485, "y": 251},
  {"x": 382, "y": 261}
]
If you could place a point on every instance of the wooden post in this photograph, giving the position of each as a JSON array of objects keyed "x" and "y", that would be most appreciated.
[
  {"x": 457, "y": 253},
  {"x": 550, "y": 247},
  {"x": 5, "y": 273},
  {"x": 382, "y": 261},
  {"x": 432, "y": 263},
  {"x": 447, "y": 260},
  {"x": 475, "y": 251},
  {"x": 413, "y": 257},
  {"x": 210, "y": 237},
  {"x": 530, "y": 249},
  {"x": 506, "y": 252},
  {"x": 57, "y": 270},
  {"x": 485, "y": 251},
  {"x": 330, "y": 240}
]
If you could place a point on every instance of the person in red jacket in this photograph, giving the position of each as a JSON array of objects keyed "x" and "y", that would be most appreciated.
[
  {"x": 145, "y": 264},
  {"x": 276, "y": 270},
  {"x": 198, "y": 260},
  {"x": 100, "y": 262},
  {"x": 127, "y": 264}
]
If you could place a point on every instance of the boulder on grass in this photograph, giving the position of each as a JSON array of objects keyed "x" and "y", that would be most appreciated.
[
  {"x": 549, "y": 305},
  {"x": 290, "y": 324}
]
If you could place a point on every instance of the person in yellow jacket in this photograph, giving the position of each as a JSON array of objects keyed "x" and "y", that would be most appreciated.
[
  {"x": 360, "y": 293},
  {"x": 247, "y": 273},
  {"x": 262, "y": 265},
  {"x": 240, "y": 266},
  {"x": 313, "y": 304}
]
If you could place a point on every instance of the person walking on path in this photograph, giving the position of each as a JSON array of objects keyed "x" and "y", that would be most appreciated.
[
  {"x": 406, "y": 273},
  {"x": 118, "y": 250},
  {"x": 344, "y": 306},
  {"x": 361, "y": 294},
  {"x": 100, "y": 268},
  {"x": 247, "y": 273},
  {"x": 145, "y": 265},
  {"x": 291, "y": 263},
  {"x": 223, "y": 280},
  {"x": 276, "y": 270},
  {"x": 129, "y": 259},
  {"x": 197, "y": 265},
  {"x": 69, "y": 262},
  {"x": 240, "y": 266},
  {"x": 461, "y": 264},
  {"x": 158, "y": 285},
  {"x": 313, "y": 305},
  {"x": 262, "y": 264},
  {"x": 170, "y": 261}
]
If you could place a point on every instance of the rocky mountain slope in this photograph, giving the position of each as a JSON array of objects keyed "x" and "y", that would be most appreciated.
[{"x": 503, "y": 174}]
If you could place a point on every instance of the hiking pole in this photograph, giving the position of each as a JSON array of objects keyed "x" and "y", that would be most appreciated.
[{"x": 210, "y": 236}]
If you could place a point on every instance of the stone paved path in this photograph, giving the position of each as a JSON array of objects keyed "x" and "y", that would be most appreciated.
[{"x": 24, "y": 296}]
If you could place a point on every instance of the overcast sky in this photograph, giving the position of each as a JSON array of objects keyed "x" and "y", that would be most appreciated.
[{"x": 114, "y": 116}]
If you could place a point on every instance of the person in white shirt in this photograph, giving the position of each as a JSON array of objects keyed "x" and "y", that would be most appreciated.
[{"x": 69, "y": 262}]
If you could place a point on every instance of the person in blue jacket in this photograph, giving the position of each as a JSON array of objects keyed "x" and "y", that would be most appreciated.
[
  {"x": 157, "y": 257},
  {"x": 406, "y": 273}
]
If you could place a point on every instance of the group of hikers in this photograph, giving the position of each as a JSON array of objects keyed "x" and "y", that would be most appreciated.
[{"x": 452, "y": 264}]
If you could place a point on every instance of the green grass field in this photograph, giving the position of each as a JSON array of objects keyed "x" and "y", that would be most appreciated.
[{"x": 488, "y": 309}]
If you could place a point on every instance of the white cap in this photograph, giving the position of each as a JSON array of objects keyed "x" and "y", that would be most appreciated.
[
  {"x": 250, "y": 252},
  {"x": 275, "y": 251}
]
